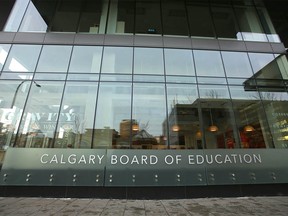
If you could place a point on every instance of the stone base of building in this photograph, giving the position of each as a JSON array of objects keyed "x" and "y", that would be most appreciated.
[{"x": 145, "y": 192}]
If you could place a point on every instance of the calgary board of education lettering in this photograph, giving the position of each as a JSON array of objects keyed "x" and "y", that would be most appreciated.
[{"x": 151, "y": 159}]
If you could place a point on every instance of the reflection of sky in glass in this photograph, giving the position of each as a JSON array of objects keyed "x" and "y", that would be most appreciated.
[
  {"x": 33, "y": 21},
  {"x": 3, "y": 55},
  {"x": 16, "y": 66}
]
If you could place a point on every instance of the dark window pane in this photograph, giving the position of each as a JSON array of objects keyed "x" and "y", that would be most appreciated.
[
  {"x": 174, "y": 18},
  {"x": 125, "y": 16},
  {"x": 200, "y": 20},
  {"x": 90, "y": 16},
  {"x": 250, "y": 25},
  {"x": 148, "y": 17},
  {"x": 67, "y": 16},
  {"x": 225, "y": 23}
]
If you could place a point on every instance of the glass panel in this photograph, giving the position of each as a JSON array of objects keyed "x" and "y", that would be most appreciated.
[
  {"x": 225, "y": 23},
  {"x": 113, "y": 116},
  {"x": 76, "y": 120},
  {"x": 219, "y": 125},
  {"x": 265, "y": 66},
  {"x": 149, "y": 113},
  {"x": 54, "y": 59},
  {"x": 117, "y": 60},
  {"x": 235, "y": 81},
  {"x": 180, "y": 79},
  {"x": 15, "y": 75},
  {"x": 67, "y": 16},
  {"x": 148, "y": 17},
  {"x": 51, "y": 76},
  {"x": 211, "y": 80},
  {"x": 148, "y": 61},
  {"x": 83, "y": 77},
  {"x": 116, "y": 77},
  {"x": 249, "y": 112},
  {"x": 275, "y": 105},
  {"x": 22, "y": 58},
  {"x": 200, "y": 20},
  {"x": 125, "y": 16},
  {"x": 282, "y": 63},
  {"x": 213, "y": 91},
  {"x": 259, "y": 60},
  {"x": 32, "y": 21},
  {"x": 179, "y": 62},
  {"x": 237, "y": 64},
  {"x": 215, "y": 66},
  {"x": 40, "y": 116},
  {"x": 174, "y": 18},
  {"x": 249, "y": 23},
  {"x": 183, "y": 119},
  {"x": 12, "y": 99},
  {"x": 86, "y": 59},
  {"x": 4, "y": 49},
  {"x": 146, "y": 78}
]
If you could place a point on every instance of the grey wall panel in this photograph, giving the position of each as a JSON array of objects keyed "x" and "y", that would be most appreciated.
[
  {"x": 6, "y": 37},
  {"x": 89, "y": 39},
  {"x": 177, "y": 42},
  {"x": 22, "y": 37},
  {"x": 278, "y": 47},
  {"x": 258, "y": 47},
  {"x": 232, "y": 45},
  {"x": 119, "y": 40},
  {"x": 148, "y": 41},
  {"x": 59, "y": 38},
  {"x": 211, "y": 44}
]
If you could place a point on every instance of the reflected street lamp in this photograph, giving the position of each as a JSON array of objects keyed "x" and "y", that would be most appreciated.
[{"x": 17, "y": 89}]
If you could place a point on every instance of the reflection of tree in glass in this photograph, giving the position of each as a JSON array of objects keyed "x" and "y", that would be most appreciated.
[
  {"x": 212, "y": 94},
  {"x": 144, "y": 126},
  {"x": 270, "y": 96}
]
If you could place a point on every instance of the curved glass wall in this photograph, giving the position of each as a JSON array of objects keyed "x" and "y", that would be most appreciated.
[
  {"x": 233, "y": 20},
  {"x": 141, "y": 98}
]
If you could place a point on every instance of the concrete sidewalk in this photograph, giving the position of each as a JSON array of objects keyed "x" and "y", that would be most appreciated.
[{"x": 272, "y": 206}]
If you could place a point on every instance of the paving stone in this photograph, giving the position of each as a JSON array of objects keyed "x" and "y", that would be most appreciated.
[{"x": 242, "y": 206}]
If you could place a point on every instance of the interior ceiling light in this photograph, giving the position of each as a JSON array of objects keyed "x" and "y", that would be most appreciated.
[
  {"x": 135, "y": 127},
  {"x": 175, "y": 128},
  {"x": 212, "y": 127},
  {"x": 248, "y": 128}
]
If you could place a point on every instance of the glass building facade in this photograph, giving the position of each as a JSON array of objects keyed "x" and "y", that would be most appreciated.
[{"x": 133, "y": 74}]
